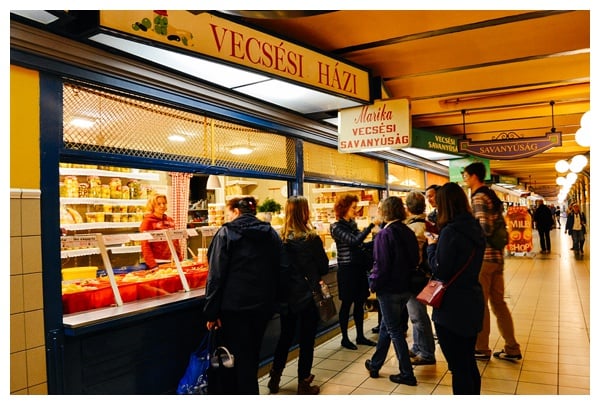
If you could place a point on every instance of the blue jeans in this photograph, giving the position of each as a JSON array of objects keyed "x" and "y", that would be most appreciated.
[
  {"x": 390, "y": 331},
  {"x": 423, "y": 343}
]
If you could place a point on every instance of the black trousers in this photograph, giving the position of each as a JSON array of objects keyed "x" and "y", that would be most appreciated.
[
  {"x": 242, "y": 333},
  {"x": 304, "y": 326},
  {"x": 459, "y": 352},
  {"x": 544, "y": 238}
]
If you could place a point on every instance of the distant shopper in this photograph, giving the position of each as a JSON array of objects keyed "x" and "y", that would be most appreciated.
[
  {"x": 461, "y": 244},
  {"x": 486, "y": 207},
  {"x": 306, "y": 261},
  {"x": 396, "y": 254},
  {"x": 430, "y": 196},
  {"x": 353, "y": 267},
  {"x": 576, "y": 223},
  {"x": 156, "y": 219},
  {"x": 243, "y": 276},
  {"x": 423, "y": 348},
  {"x": 544, "y": 221},
  {"x": 557, "y": 215}
]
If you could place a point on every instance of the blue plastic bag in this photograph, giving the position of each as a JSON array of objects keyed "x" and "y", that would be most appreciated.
[{"x": 195, "y": 380}]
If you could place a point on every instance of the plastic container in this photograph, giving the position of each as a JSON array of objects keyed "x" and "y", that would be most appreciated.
[{"x": 75, "y": 273}]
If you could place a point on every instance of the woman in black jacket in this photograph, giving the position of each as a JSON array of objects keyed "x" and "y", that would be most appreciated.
[
  {"x": 353, "y": 267},
  {"x": 460, "y": 317},
  {"x": 241, "y": 290},
  {"x": 305, "y": 261}
]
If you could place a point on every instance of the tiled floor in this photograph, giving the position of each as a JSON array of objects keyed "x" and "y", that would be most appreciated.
[{"x": 549, "y": 295}]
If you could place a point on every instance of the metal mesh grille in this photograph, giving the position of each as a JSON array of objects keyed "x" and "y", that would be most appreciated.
[
  {"x": 120, "y": 124},
  {"x": 321, "y": 160},
  {"x": 406, "y": 177}
]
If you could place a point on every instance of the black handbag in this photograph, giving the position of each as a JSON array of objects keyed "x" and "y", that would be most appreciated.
[
  {"x": 325, "y": 305},
  {"x": 221, "y": 373}
]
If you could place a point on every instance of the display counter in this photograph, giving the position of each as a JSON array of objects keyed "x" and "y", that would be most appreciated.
[{"x": 143, "y": 347}]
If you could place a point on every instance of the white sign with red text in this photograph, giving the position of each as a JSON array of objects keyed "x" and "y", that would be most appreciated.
[{"x": 383, "y": 125}]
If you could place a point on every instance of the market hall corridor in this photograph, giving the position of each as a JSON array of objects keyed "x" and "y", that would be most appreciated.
[{"x": 549, "y": 296}]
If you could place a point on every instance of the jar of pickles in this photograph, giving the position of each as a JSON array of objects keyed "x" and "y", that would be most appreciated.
[
  {"x": 105, "y": 191},
  {"x": 95, "y": 186},
  {"x": 83, "y": 190},
  {"x": 115, "y": 188},
  {"x": 134, "y": 189},
  {"x": 125, "y": 192},
  {"x": 71, "y": 186}
]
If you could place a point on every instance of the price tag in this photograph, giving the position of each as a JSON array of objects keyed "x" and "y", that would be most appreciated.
[
  {"x": 140, "y": 236},
  {"x": 192, "y": 232},
  {"x": 118, "y": 239},
  {"x": 209, "y": 230},
  {"x": 78, "y": 241},
  {"x": 177, "y": 233}
]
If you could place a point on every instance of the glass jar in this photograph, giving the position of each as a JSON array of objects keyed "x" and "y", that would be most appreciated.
[
  {"x": 95, "y": 186},
  {"x": 105, "y": 191},
  {"x": 134, "y": 189},
  {"x": 115, "y": 188}
]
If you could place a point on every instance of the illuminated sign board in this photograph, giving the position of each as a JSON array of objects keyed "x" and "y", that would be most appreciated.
[
  {"x": 218, "y": 38},
  {"x": 383, "y": 125}
]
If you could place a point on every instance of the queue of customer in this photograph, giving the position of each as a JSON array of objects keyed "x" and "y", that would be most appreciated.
[{"x": 289, "y": 267}]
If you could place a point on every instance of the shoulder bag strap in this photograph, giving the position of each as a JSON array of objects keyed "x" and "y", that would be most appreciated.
[{"x": 462, "y": 269}]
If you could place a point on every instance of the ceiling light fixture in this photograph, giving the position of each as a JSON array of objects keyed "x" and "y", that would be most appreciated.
[
  {"x": 213, "y": 182},
  {"x": 176, "y": 138},
  {"x": 562, "y": 166},
  {"x": 241, "y": 150},
  {"x": 578, "y": 162},
  {"x": 583, "y": 137},
  {"x": 82, "y": 122}
]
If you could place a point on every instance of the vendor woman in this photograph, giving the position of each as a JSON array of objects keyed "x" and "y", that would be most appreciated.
[{"x": 155, "y": 219}]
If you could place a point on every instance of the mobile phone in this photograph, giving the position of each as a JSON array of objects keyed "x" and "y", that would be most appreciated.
[{"x": 431, "y": 235}]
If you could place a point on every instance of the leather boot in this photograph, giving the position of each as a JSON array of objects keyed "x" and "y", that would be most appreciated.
[
  {"x": 274, "y": 381},
  {"x": 304, "y": 387}
]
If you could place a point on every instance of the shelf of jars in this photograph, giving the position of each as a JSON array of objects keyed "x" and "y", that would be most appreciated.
[
  {"x": 76, "y": 171},
  {"x": 341, "y": 189},
  {"x": 102, "y": 201},
  {"x": 330, "y": 205},
  {"x": 100, "y": 225}
]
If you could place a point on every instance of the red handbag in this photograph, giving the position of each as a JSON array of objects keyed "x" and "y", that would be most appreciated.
[{"x": 433, "y": 293}]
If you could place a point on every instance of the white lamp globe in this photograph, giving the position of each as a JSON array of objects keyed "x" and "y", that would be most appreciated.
[
  {"x": 578, "y": 162},
  {"x": 560, "y": 180},
  {"x": 583, "y": 137},
  {"x": 562, "y": 166},
  {"x": 571, "y": 178},
  {"x": 586, "y": 120}
]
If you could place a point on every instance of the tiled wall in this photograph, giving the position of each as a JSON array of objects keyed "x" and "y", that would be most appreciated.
[{"x": 27, "y": 346}]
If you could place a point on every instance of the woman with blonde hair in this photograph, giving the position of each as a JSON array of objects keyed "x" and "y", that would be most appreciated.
[
  {"x": 305, "y": 261},
  {"x": 156, "y": 219}
]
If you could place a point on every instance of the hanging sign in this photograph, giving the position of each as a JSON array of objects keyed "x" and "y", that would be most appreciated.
[
  {"x": 434, "y": 142},
  {"x": 383, "y": 125},
  {"x": 508, "y": 146},
  {"x": 219, "y": 38}
]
